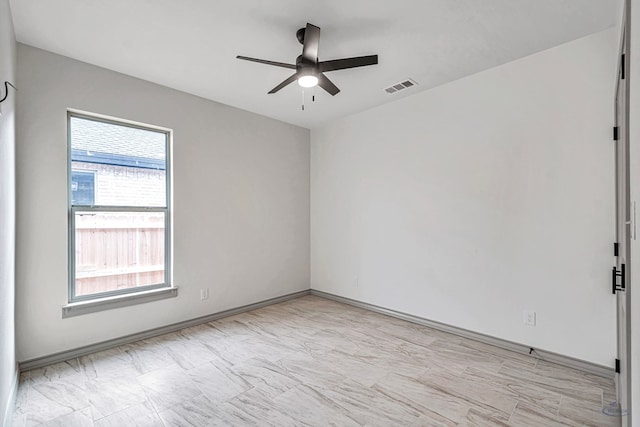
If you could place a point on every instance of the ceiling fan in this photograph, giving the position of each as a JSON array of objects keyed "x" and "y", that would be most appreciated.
[{"x": 309, "y": 71}]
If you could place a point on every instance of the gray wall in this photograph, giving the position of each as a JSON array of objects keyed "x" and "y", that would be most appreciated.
[
  {"x": 7, "y": 213},
  {"x": 240, "y": 195},
  {"x": 474, "y": 201}
]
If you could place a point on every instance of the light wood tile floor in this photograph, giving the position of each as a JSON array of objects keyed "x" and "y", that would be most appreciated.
[{"x": 310, "y": 361}]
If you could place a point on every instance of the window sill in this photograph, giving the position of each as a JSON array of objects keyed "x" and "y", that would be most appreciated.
[{"x": 101, "y": 304}]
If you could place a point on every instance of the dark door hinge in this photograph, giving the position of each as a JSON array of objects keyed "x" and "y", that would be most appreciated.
[
  {"x": 616, "y": 130},
  {"x": 615, "y": 249},
  {"x": 617, "y": 366},
  {"x": 614, "y": 279},
  {"x": 622, "y": 66}
]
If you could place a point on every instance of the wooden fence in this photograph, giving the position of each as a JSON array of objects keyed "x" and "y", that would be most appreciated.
[{"x": 118, "y": 250}]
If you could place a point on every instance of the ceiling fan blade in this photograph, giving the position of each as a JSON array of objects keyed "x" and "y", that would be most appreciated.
[
  {"x": 327, "y": 85},
  {"x": 311, "y": 43},
  {"x": 289, "y": 80},
  {"x": 264, "y": 61},
  {"x": 342, "y": 64}
]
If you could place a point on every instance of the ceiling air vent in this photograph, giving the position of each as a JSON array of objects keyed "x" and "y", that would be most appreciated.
[{"x": 400, "y": 86}]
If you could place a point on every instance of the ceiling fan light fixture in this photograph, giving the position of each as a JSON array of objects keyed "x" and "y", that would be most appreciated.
[{"x": 308, "y": 80}]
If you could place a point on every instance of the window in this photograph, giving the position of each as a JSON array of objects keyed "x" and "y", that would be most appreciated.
[
  {"x": 119, "y": 208},
  {"x": 82, "y": 188}
]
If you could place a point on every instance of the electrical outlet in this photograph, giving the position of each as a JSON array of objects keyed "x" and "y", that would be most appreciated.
[
  {"x": 529, "y": 318},
  {"x": 204, "y": 294}
]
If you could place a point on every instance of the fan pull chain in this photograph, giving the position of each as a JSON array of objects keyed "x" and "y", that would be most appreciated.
[
  {"x": 302, "y": 99},
  {"x": 313, "y": 95}
]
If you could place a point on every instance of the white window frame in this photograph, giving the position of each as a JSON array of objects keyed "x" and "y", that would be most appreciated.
[{"x": 81, "y": 304}]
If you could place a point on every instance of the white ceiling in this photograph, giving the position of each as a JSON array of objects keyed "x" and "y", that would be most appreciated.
[{"x": 191, "y": 45}]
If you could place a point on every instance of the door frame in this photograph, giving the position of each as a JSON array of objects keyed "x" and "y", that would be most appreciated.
[{"x": 625, "y": 221}]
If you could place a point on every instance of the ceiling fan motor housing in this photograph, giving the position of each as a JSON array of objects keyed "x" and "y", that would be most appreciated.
[{"x": 304, "y": 66}]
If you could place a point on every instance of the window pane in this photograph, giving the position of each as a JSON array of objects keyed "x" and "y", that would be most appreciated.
[
  {"x": 129, "y": 164},
  {"x": 82, "y": 188},
  {"x": 118, "y": 250}
]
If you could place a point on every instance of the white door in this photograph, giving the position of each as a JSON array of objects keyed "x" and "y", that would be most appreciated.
[{"x": 625, "y": 230}]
